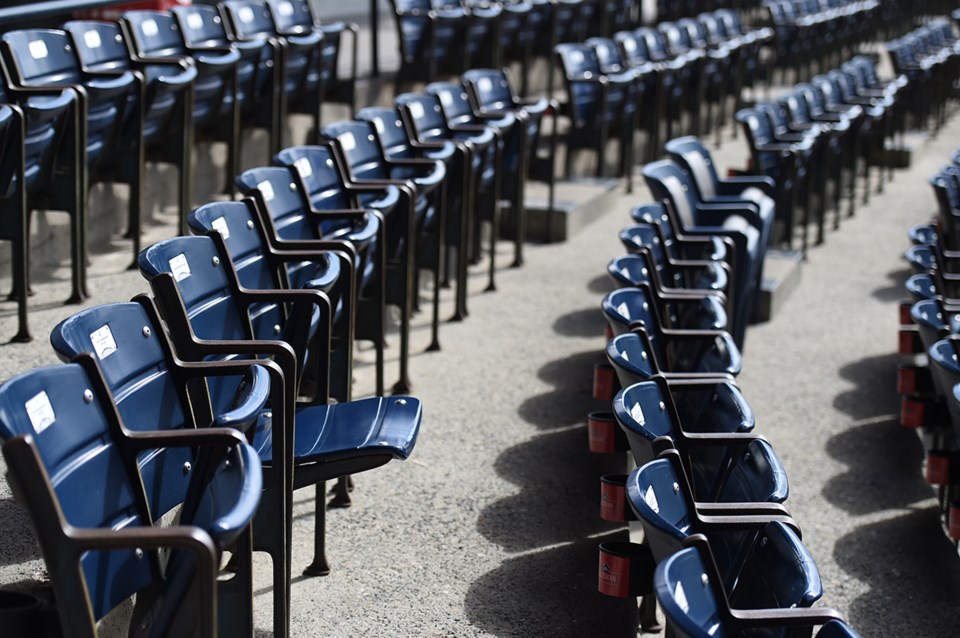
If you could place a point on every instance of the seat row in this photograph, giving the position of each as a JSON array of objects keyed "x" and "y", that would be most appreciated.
[
  {"x": 819, "y": 138},
  {"x": 928, "y": 374},
  {"x": 928, "y": 57},
  {"x": 245, "y": 343},
  {"x": 92, "y": 101},
  {"x": 708, "y": 491},
  {"x": 649, "y": 78}
]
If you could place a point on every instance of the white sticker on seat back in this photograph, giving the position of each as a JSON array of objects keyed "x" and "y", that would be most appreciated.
[
  {"x": 40, "y": 412},
  {"x": 149, "y": 28},
  {"x": 303, "y": 167},
  {"x": 92, "y": 39},
  {"x": 103, "y": 342},
  {"x": 266, "y": 189},
  {"x": 38, "y": 49},
  {"x": 650, "y": 498},
  {"x": 623, "y": 310},
  {"x": 245, "y": 14},
  {"x": 347, "y": 141},
  {"x": 220, "y": 225},
  {"x": 681, "y": 597},
  {"x": 195, "y": 21},
  {"x": 416, "y": 110},
  {"x": 285, "y": 9},
  {"x": 637, "y": 413},
  {"x": 179, "y": 267},
  {"x": 485, "y": 85}
]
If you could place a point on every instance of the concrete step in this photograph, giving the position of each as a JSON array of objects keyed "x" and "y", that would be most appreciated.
[
  {"x": 577, "y": 202},
  {"x": 781, "y": 276}
]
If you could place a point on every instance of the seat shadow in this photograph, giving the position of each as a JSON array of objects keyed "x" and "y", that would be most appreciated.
[
  {"x": 883, "y": 469},
  {"x": 910, "y": 565},
  {"x": 19, "y": 541},
  {"x": 586, "y": 322},
  {"x": 894, "y": 291},
  {"x": 550, "y": 593},
  {"x": 874, "y": 394},
  {"x": 559, "y": 497},
  {"x": 572, "y": 397},
  {"x": 601, "y": 284}
]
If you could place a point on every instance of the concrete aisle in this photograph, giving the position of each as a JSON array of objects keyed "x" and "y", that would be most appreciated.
[{"x": 491, "y": 528}]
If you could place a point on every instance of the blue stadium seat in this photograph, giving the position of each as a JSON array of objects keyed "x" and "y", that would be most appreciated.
[
  {"x": 164, "y": 90},
  {"x": 64, "y": 440},
  {"x": 207, "y": 315},
  {"x": 691, "y": 594},
  {"x": 155, "y": 37},
  {"x": 429, "y": 40}
]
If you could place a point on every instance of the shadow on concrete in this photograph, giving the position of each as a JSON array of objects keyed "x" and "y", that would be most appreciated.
[
  {"x": 19, "y": 547},
  {"x": 572, "y": 397},
  {"x": 601, "y": 284},
  {"x": 550, "y": 593},
  {"x": 559, "y": 497},
  {"x": 875, "y": 393},
  {"x": 883, "y": 468},
  {"x": 894, "y": 290},
  {"x": 908, "y": 564},
  {"x": 587, "y": 322}
]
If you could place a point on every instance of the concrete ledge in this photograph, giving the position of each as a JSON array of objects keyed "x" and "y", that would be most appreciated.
[
  {"x": 781, "y": 276},
  {"x": 578, "y": 202}
]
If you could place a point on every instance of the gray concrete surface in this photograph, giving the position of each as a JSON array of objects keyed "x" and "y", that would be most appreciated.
[{"x": 491, "y": 528}]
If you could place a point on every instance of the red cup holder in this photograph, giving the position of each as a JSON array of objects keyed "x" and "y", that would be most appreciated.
[
  {"x": 625, "y": 569},
  {"x": 605, "y": 435},
  {"x": 905, "y": 318},
  {"x": 608, "y": 332},
  {"x": 605, "y": 382},
  {"x": 912, "y": 412},
  {"x": 938, "y": 468},
  {"x": 953, "y": 521},
  {"x": 613, "y": 499}
]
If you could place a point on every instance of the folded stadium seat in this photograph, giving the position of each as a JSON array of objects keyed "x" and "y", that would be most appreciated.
[
  {"x": 204, "y": 31},
  {"x": 740, "y": 222},
  {"x": 45, "y": 58},
  {"x": 491, "y": 95},
  {"x": 663, "y": 217},
  {"x": 683, "y": 67},
  {"x": 395, "y": 143},
  {"x": 415, "y": 236},
  {"x": 600, "y": 108},
  {"x": 758, "y": 63},
  {"x": 40, "y": 168},
  {"x": 429, "y": 39},
  {"x": 675, "y": 350},
  {"x": 746, "y": 518},
  {"x": 330, "y": 212},
  {"x": 489, "y": 194},
  {"x": 742, "y": 66},
  {"x": 206, "y": 313},
  {"x": 946, "y": 188},
  {"x": 644, "y": 86},
  {"x": 890, "y": 107},
  {"x": 647, "y": 414},
  {"x": 292, "y": 67},
  {"x": 690, "y": 592},
  {"x": 482, "y": 34},
  {"x": 163, "y": 95},
  {"x": 154, "y": 37},
  {"x": 294, "y": 18},
  {"x": 292, "y": 222},
  {"x": 515, "y": 43},
  {"x": 63, "y": 440},
  {"x": 328, "y": 266}
]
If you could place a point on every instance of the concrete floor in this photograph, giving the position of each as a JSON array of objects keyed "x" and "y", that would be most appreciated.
[{"x": 491, "y": 528}]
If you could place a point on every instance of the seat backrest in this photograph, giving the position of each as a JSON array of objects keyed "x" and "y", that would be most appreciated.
[
  {"x": 320, "y": 176},
  {"x": 454, "y": 101},
  {"x": 796, "y": 106},
  {"x": 667, "y": 180},
  {"x": 608, "y": 54},
  {"x": 759, "y": 133},
  {"x": 628, "y": 306},
  {"x": 284, "y": 202},
  {"x": 580, "y": 61},
  {"x": 133, "y": 355},
  {"x": 42, "y": 57},
  {"x": 423, "y": 116},
  {"x": 201, "y": 25},
  {"x": 291, "y": 16},
  {"x": 249, "y": 18},
  {"x": 660, "y": 498},
  {"x": 490, "y": 88},
  {"x": 155, "y": 33},
  {"x": 631, "y": 357},
  {"x": 69, "y": 420},
  {"x": 687, "y": 596},
  {"x": 390, "y": 131},
  {"x": 633, "y": 46},
  {"x": 656, "y": 45},
  {"x": 690, "y": 153},
  {"x": 641, "y": 410},
  {"x": 360, "y": 149},
  {"x": 100, "y": 46}
]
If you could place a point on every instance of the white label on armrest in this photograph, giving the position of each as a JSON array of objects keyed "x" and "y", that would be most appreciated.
[
  {"x": 485, "y": 85},
  {"x": 625, "y": 272},
  {"x": 637, "y": 413},
  {"x": 285, "y": 9},
  {"x": 220, "y": 225},
  {"x": 40, "y": 412},
  {"x": 681, "y": 597},
  {"x": 195, "y": 21},
  {"x": 103, "y": 342},
  {"x": 92, "y": 39},
  {"x": 245, "y": 14},
  {"x": 623, "y": 310},
  {"x": 624, "y": 356},
  {"x": 416, "y": 110},
  {"x": 179, "y": 267},
  {"x": 149, "y": 28},
  {"x": 266, "y": 189},
  {"x": 38, "y": 49},
  {"x": 303, "y": 167},
  {"x": 651, "y": 499},
  {"x": 348, "y": 142}
]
